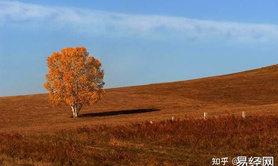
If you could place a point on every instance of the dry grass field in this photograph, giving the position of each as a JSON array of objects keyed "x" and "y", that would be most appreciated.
[
  {"x": 181, "y": 142},
  {"x": 255, "y": 92},
  {"x": 118, "y": 131}
]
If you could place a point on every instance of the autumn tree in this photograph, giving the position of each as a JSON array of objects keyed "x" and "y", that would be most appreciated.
[{"x": 74, "y": 78}]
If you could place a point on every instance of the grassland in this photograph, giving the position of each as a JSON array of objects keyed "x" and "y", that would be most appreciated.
[
  {"x": 179, "y": 142},
  {"x": 117, "y": 130}
]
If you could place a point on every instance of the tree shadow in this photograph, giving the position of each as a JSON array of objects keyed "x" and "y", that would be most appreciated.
[{"x": 119, "y": 112}]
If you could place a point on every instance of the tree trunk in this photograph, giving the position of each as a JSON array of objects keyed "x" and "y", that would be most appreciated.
[{"x": 75, "y": 110}]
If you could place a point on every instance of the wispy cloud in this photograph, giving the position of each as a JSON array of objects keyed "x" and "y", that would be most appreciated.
[{"x": 118, "y": 24}]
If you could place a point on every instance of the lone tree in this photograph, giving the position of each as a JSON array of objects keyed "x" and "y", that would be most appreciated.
[{"x": 74, "y": 78}]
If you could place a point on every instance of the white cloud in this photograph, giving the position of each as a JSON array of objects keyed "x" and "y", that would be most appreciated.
[{"x": 117, "y": 24}]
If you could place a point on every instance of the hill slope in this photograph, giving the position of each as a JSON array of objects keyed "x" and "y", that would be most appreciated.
[{"x": 254, "y": 91}]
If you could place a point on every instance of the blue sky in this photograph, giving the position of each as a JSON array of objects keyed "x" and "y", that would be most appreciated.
[{"x": 138, "y": 42}]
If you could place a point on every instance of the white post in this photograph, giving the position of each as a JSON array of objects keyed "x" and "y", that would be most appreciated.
[
  {"x": 173, "y": 118},
  {"x": 205, "y": 115},
  {"x": 243, "y": 114}
]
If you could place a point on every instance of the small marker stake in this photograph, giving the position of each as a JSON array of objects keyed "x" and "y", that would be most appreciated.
[
  {"x": 205, "y": 115},
  {"x": 243, "y": 114}
]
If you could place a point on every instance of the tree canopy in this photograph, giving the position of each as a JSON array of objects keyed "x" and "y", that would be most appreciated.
[{"x": 74, "y": 78}]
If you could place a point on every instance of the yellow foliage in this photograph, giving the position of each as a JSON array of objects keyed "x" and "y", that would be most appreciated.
[{"x": 74, "y": 77}]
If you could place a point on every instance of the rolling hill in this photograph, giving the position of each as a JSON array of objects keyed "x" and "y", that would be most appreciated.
[{"x": 254, "y": 91}]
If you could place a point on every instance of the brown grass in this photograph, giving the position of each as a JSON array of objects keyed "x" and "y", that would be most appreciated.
[
  {"x": 180, "y": 142},
  {"x": 255, "y": 92},
  {"x": 111, "y": 135}
]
